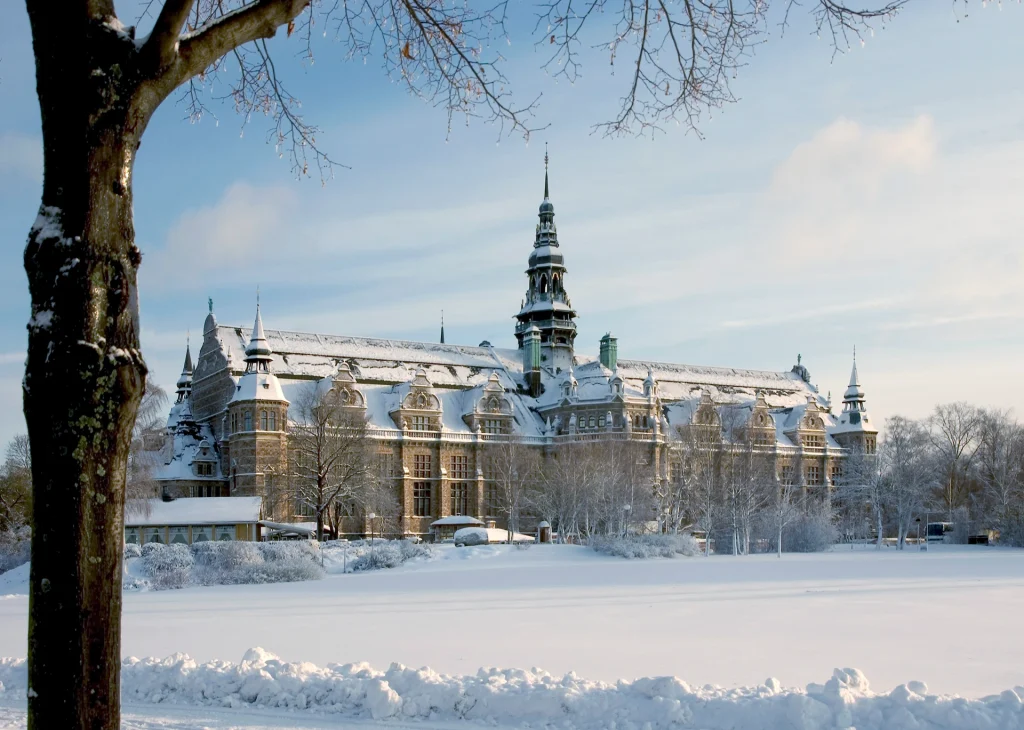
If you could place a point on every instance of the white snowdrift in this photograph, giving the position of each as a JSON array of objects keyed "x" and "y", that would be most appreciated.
[{"x": 537, "y": 699}]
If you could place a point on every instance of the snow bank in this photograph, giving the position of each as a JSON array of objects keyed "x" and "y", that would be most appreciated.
[{"x": 537, "y": 699}]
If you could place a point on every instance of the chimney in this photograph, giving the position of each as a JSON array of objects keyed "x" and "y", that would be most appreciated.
[{"x": 609, "y": 351}]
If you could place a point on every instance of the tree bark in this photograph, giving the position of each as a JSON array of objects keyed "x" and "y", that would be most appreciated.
[{"x": 84, "y": 375}]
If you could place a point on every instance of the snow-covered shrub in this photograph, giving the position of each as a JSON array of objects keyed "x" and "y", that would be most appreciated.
[
  {"x": 132, "y": 550},
  {"x": 387, "y": 554},
  {"x": 646, "y": 546},
  {"x": 238, "y": 563},
  {"x": 167, "y": 566},
  {"x": 812, "y": 532},
  {"x": 471, "y": 536},
  {"x": 151, "y": 547},
  {"x": 15, "y": 547}
]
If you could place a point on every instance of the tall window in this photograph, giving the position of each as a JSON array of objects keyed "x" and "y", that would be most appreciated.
[
  {"x": 421, "y": 466},
  {"x": 263, "y": 421},
  {"x": 786, "y": 474},
  {"x": 458, "y": 467},
  {"x": 234, "y": 422},
  {"x": 492, "y": 425},
  {"x": 272, "y": 421},
  {"x": 813, "y": 474},
  {"x": 248, "y": 420},
  {"x": 421, "y": 499},
  {"x": 460, "y": 498},
  {"x": 492, "y": 497},
  {"x": 835, "y": 473},
  {"x": 385, "y": 465}
]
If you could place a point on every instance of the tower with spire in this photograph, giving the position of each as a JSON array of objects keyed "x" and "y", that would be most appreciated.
[
  {"x": 547, "y": 305},
  {"x": 257, "y": 423},
  {"x": 855, "y": 429}
]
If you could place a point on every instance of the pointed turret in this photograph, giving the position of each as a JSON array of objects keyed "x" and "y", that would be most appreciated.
[
  {"x": 442, "y": 326},
  {"x": 258, "y": 352},
  {"x": 854, "y": 428},
  {"x": 184, "y": 385},
  {"x": 258, "y": 382}
]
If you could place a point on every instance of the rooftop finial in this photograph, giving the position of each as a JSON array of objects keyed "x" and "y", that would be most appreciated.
[
  {"x": 546, "y": 171},
  {"x": 442, "y": 326},
  {"x": 209, "y": 302}
]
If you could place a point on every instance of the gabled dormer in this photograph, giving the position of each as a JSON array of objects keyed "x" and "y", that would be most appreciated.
[
  {"x": 346, "y": 390},
  {"x": 492, "y": 413},
  {"x": 760, "y": 425},
  {"x": 420, "y": 409},
  {"x": 809, "y": 430}
]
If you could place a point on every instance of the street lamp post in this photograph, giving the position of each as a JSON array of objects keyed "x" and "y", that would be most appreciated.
[{"x": 371, "y": 517}]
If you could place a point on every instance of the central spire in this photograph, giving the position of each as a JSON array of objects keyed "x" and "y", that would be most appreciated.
[
  {"x": 547, "y": 305},
  {"x": 546, "y": 171}
]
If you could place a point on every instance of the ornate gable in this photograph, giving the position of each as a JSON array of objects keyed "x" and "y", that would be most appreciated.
[
  {"x": 420, "y": 409},
  {"x": 345, "y": 388},
  {"x": 809, "y": 431},
  {"x": 492, "y": 412}
]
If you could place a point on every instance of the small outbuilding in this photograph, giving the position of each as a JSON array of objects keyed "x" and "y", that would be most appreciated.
[
  {"x": 446, "y": 527},
  {"x": 194, "y": 519}
]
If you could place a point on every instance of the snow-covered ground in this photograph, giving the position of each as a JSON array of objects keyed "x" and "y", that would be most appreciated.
[{"x": 949, "y": 618}]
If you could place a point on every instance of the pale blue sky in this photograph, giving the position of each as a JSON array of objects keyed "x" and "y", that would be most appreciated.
[{"x": 871, "y": 200}]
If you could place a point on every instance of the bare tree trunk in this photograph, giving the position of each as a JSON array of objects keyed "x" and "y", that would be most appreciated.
[{"x": 84, "y": 375}]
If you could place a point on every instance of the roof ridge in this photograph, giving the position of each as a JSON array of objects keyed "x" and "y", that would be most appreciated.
[{"x": 318, "y": 335}]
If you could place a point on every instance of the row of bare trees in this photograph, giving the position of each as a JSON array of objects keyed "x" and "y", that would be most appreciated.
[{"x": 963, "y": 465}]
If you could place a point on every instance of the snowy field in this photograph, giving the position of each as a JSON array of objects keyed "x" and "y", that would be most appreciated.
[{"x": 950, "y": 618}]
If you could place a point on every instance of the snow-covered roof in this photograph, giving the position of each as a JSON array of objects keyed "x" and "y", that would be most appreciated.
[
  {"x": 188, "y": 443},
  {"x": 258, "y": 386},
  {"x": 198, "y": 511},
  {"x": 456, "y": 520}
]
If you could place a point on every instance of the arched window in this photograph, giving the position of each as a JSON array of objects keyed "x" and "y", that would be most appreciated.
[
  {"x": 593, "y": 421},
  {"x": 248, "y": 420},
  {"x": 272, "y": 421},
  {"x": 234, "y": 422},
  {"x": 543, "y": 284},
  {"x": 263, "y": 420}
]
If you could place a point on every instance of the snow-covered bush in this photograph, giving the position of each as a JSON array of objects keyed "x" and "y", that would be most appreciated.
[
  {"x": 15, "y": 547},
  {"x": 167, "y": 566},
  {"x": 646, "y": 546},
  {"x": 228, "y": 563},
  {"x": 389, "y": 554},
  {"x": 812, "y": 532},
  {"x": 238, "y": 563},
  {"x": 471, "y": 536},
  {"x": 132, "y": 550}
]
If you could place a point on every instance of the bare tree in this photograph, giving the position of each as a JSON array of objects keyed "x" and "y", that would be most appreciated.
[
  {"x": 954, "y": 430},
  {"x": 98, "y": 87},
  {"x": 145, "y": 454},
  {"x": 999, "y": 464},
  {"x": 861, "y": 485},
  {"x": 568, "y": 481},
  {"x": 16, "y": 484},
  {"x": 515, "y": 468},
  {"x": 700, "y": 447},
  {"x": 907, "y": 469},
  {"x": 333, "y": 457}
]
